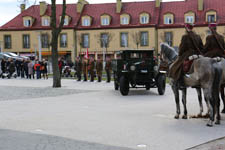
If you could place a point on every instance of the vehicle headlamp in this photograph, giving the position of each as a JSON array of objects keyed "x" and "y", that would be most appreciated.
[{"x": 132, "y": 68}]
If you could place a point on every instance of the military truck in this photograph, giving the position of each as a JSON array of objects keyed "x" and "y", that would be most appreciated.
[{"x": 137, "y": 69}]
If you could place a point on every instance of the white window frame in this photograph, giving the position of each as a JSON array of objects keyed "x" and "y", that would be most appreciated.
[
  {"x": 105, "y": 21},
  {"x": 209, "y": 15},
  {"x": 189, "y": 19},
  {"x": 63, "y": 40},
  {"x": 86, "y": 22},
  {"x": 168, "y": 20},
  {"x": 144, "y": 19},
  {"x": 125, "y": 20},
  {"x": 124, "y": 39},
  {"x": 144, "y": 38},
  {"x": 66, "y": 21},
  {"x": 45, "y": 22},
  {"x": 27, "y": 22}
]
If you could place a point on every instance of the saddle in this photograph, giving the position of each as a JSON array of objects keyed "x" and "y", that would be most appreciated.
[{"x": 188, "y": 63}]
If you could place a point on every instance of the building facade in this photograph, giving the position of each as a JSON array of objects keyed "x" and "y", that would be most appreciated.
[{"x": 107, "y": 28}]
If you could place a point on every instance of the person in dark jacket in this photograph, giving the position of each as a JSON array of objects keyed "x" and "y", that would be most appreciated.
[
  {"x": 99, "y": 68},
  {"x": 11, "y": 67},
  {"x": 78, "y": 68},
  {"x": 108, "y": 69},
  {"x": 91, "y": 67},
  {"x": 191, "y": 44},
  {"x": 215, "y": 45},
  {"x": 3, "y": 65}
]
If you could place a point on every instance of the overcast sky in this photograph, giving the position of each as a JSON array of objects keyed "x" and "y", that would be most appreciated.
[{"x": 10, "y": 8}]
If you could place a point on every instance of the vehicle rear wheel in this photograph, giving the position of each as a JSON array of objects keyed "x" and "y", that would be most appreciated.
[
  {"x": 161, "y": 83},
  {"x": 124, "y": 86}
]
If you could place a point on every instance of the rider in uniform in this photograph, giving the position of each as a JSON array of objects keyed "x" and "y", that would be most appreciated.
[
  {"x": 191, "y": 44},
  {"x": 215, "y": 45}
]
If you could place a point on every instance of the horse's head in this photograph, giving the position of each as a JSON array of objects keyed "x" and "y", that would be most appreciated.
[{"x": 168, "y": 53}]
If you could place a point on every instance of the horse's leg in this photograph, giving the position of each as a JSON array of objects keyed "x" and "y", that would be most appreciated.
[
  {"x": 209, "y": 99},
  {"x": 222, "y": 96},
  {"x": 217, "y": 100},
  {"x": 176, "y": 94},
  {"x": 208, "y": 109},
  {"x": 200, "y": 101},
  {"x": 184, "y": 95}
]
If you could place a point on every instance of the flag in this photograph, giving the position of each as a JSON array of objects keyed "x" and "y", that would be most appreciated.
[{"x": 86, "y": 55}]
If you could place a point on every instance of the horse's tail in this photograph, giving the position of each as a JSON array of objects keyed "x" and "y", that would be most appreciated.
[{"x": 216, "y": 84}]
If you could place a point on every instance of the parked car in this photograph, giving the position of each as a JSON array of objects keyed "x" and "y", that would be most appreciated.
[{"x": 137, "y": 69}]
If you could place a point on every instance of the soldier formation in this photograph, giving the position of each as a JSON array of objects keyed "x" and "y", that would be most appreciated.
[{"x": 88, "y": 66}]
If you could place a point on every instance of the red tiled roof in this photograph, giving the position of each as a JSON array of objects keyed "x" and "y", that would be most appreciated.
[
  {"x": 34, "y": 11},
  {"x": 132, "y": 8}
]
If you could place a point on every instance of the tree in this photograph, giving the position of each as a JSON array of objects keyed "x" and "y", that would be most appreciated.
[
  {"x": 136, "y": 36},
  {"x": 54, "y": 42},
  {"x": 104, "y": 39}
]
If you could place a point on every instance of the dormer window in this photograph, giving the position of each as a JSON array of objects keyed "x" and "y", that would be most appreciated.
[
  {"x": 189, "y": 17},
  {"x": 66, "y": 20},
  {"x": 124, "y": 19},
  {"x": 86, "y": 21},
  {"x": 144, "y": 18},
  {"x": 168, "y": 18},
  {"x": 211, "y": 16},
  {"x": 45, "y": 21},
  {"x": 27, "y": 23},
  {"x": 105, "y": 21}
]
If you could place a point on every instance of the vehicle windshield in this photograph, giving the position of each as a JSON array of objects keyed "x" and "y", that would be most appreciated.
[{"x": 140, "y": 55}]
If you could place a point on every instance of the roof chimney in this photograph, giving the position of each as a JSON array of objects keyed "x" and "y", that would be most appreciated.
[
  {"x": 118, "y": 6},
  {"x": 80, "y": 5},
  {"x": 43, "y": 8},
  {"x": 22, "y": 7},
  {"x": 157, "y": 3},
  {"x": 200, "y": 5}
]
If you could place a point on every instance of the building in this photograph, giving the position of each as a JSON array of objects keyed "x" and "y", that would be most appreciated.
[{"x": 106, "y": 28}]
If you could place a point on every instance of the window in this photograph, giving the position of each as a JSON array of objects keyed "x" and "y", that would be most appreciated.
[
  {"x": 27, "y": 23},
  {"x": 144, "y": 38},
  {"x": 26, "y": 41},
  {"x": 66, "y": 22},
  {"x": 105, "y": 21},
  {"x": 63, "y": 40},
  {"x": 7, "y": 41},
  {"x": 124, "y": 39},
  {"x": 85, "y": 40},
  {"x": 45, "y": 22},
  {"x": 125, "y": 20},
  {"x": 168, "y": 20},
  {"x": 211, "y": 18},
  {"x": 44, "y": 41},
  {"x": 104, "y": 40},
  {"x": 189, "y": 19},
  {"x": 86, "y": 22},
  {"x": 169, "y": 38},
  {"x": 144, "y": 19}
]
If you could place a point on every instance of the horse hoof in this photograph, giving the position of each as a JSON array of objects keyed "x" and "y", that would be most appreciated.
[
  {"x": 184, "y": 117},
  {"x": 176, "y": 117},
  {"x": 217, "y": 122}
]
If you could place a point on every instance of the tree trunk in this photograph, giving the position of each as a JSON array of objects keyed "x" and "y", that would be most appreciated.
[{"x": 54, "y": 43}]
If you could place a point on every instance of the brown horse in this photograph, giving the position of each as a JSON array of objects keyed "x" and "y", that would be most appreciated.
[{"x": 206, "y": 75}]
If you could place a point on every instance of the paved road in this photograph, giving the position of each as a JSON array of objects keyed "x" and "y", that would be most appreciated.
[{"x": 89, "y": 116}]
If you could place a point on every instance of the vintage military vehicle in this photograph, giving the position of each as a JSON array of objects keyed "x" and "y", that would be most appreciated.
[{"x": 137, "y": 69}]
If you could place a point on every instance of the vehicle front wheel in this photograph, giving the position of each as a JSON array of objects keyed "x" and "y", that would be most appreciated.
[
  {"x": 124, "y": 86},
  {"x": 161, "y": 82}
]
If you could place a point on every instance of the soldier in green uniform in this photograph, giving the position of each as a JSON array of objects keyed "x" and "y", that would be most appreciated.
[
  {"x": 215, "y": 45},
  {"x": 108, "y": 69},
  {"x": 84, "y": 68},
  {"x": 99, "y": 68},
  {"x": 91, "y": 67},
  {"x": 191, "y": 44},
  {"x": 78, "y": 68}
]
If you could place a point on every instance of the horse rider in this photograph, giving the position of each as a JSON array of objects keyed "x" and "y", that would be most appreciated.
[
  {"x": 84, "y": 68},
  {"x": 99, "y": 68},
  {"x": 191, "y": 44},
  {"x": 78, "y": 67},
  {"x": 215, "y": 45}
]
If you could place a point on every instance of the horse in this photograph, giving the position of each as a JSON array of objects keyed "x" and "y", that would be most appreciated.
[
  {"x": 222, "y": 64},
  {"x": 207, "y": 79}
]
